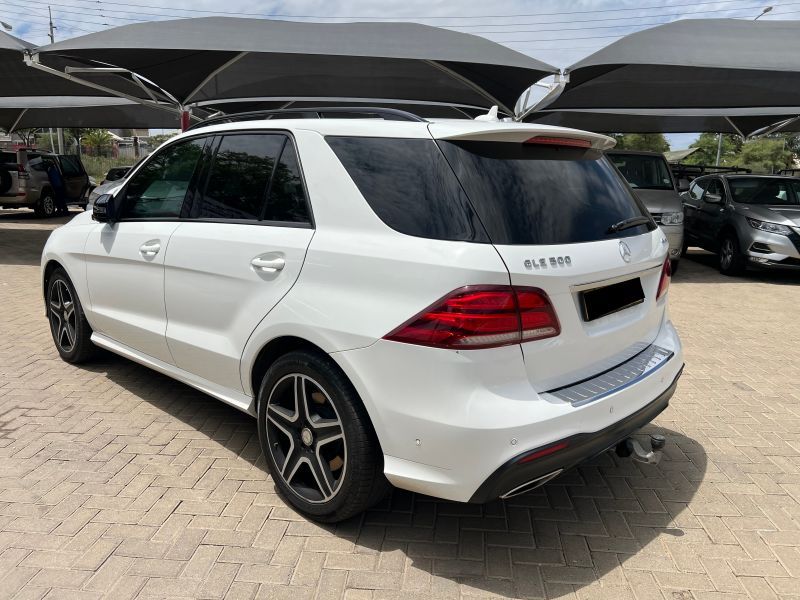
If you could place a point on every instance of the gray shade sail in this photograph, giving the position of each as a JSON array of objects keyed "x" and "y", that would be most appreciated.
[
  {"x": 699, "y": 63},
  {"x": 662, "y": 121},
  {"x": 74, "y": 112},
  {"x": 227, "y": 58},
  {"x": 17, "y": 79}
]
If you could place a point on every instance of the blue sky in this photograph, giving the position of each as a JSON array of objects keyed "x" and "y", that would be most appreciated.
[{"x": 559, "y": 32}]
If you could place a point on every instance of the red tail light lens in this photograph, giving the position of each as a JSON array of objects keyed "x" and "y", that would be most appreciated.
[
  {"x": 666, "y": 277},
  {"x": 475, "y": 317},
  {"x": 559, "y": 141},
  {"x": 21, "y": 172},
  {"x": 543, "y": 452}
]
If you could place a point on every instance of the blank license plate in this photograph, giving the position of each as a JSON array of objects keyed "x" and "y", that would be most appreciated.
[{"x": 603, "y": 301}]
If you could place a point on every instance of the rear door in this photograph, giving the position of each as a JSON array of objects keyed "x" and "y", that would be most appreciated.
[
  {"x": 549, "y": 209},
  {"x": 75, "y": 178},
  {"x": 238, "y": 254}
]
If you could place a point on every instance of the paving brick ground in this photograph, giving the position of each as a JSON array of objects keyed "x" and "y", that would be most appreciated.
[{"x": 118, "y": 482}]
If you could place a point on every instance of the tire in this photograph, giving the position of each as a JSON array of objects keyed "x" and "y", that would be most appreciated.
[
  {"x": 684, "y": 247},
  {"x": 68, "y": 325},
  {"x": 673, "y": 264},
  {"x": 46, "y": 207},
  {"x": 731, "y": 261},
  {"x": 5, "y": 181},
  {"x": 304, "y": 399}
]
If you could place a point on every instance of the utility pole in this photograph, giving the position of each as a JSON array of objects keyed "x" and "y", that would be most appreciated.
[
  {"x": 719, "y": 149},
  {"x": 59, "y": 131}
]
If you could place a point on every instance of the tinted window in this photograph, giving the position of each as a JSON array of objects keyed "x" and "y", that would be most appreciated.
[
  {"x": 239, "y": 175},
  {"x": 409, "y": 185},
  {"x": 8, "y": 158},
  {"x": 643, "y": 171},
  {"x": 763, "y": 190},
  {"x": 287, "y": 198},
  {"x": 528, "y": 194},
  {"x": 157, "y": 190},
  {"x": 71, "y": 166}
]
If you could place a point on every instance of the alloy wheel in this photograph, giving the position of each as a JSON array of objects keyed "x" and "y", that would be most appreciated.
[
  {"x": 306, "y": 438},
  {"x": 63, "y": 319},
  {"x": 48, "y": 206},
  {"x": 726, "y": 253}
]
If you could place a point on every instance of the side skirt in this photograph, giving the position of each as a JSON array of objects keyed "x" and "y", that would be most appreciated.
[{"x": 236, "y": 399}]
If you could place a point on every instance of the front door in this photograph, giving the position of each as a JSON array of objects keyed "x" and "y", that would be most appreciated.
[
  {"x": 125, "y": 261},
  {"x": 711, "y": 212},
  {"x": 238, "y": 254}
]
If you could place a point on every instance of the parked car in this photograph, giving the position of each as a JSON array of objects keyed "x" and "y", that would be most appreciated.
[
  {"x": 115, "y": 174},
  {"x": 747, "y": 220},
  {"x": 463, "y": 309},
  {"x": 29, "y": 185},
  {"x": 651, "y": 179}
]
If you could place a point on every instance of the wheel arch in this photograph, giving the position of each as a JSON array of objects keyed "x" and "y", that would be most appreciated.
[{"x": 47, "y": 272}]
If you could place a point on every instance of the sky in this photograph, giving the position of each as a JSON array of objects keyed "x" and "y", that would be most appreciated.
[{"x": 559, "y": 32}]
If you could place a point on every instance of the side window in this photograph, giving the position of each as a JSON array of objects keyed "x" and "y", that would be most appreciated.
[
  {"x": 240, "y": 173},
  {"x": 159, "y": 187},
  {"x": 287, "y": 198},
  {"x": 697, "y": 188}
]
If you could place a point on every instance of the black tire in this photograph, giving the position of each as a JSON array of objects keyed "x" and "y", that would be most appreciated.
[
  {"x": 68, "y": 325},
  {"x": 731, "y": 261},
  {"x": 46, "y": 207},
  {"x": 684, "y": 247},
  {"x": 673, "y": 265},
  {"x": 5, "y": 181},
  {"x": 329, "y": 481}
]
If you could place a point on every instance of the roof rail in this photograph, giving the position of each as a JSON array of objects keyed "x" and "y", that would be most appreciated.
[{"x": 388, "y": 114}]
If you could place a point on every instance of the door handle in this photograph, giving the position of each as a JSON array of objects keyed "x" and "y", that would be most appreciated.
[
  {"x": 150, "y": 248},
  {"x": 268, "y": 265}
]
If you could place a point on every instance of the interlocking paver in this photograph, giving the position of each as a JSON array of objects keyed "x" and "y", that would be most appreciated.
[{"x": 118, "y": 482}]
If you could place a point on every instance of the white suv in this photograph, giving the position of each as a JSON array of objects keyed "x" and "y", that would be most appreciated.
[{"x": 463, "y": 308}]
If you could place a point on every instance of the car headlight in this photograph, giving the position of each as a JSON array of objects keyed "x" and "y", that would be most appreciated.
[
  {"x": 769, "y": 227},
  {"x": 675, "y": 218}
]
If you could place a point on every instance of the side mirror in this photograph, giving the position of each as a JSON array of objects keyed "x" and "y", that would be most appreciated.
[
  {"x": 712, "y": 198},
  {"x": 104, "y": 209}
]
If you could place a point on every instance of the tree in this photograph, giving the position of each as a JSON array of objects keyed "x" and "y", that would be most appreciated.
[
  {"x": 156, "y": 140},
  {"x": 97, "y": 140},
  {"x": 707, "y": 153},
  {"x": 765, "y": 155},
  {"x": 653, "y": 142}
]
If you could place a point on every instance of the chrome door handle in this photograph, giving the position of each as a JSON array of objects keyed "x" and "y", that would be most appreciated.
[
  {"x": 150, "y": 248},
  {"x": 268, "y": 265}
]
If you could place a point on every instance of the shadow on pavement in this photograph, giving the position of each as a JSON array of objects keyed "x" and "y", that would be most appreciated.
[
  {"x": 23, "y": 235},
  {"x": 700, "y": 266},
  {"x": 567, "y": 535}
]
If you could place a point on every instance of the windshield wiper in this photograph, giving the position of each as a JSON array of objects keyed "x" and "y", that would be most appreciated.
[{"x": 628, "y": 223}]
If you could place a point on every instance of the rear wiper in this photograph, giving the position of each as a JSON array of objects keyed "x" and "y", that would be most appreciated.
[{"x": 628, "y": 223}]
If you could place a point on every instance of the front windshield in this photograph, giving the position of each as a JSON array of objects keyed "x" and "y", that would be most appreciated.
[
  {"x": 765, "y": 190},
  {"x": 642, "y": 171}
]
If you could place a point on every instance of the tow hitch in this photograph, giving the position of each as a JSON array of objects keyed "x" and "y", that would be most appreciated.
[{"x": 631, "y": 447}]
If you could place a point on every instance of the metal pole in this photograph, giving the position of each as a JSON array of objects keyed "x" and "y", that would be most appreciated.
[
  {"x": 52, "y": 142},
  {"x": 719, "y": 150},
  {"x": 59, "y": 131},
  {"x": 60, "y": 134}
]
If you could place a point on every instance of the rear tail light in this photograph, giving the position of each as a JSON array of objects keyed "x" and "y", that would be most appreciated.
[
  {"x": 22, "y": 173},
  {"x": 475, "y": 317},
  {"x": 666, "y": 276},
  {"x": 559, "y": 141}
]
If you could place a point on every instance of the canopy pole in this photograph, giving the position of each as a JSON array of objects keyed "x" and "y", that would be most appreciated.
[
  {"x": 17, "y": 120},
  {"x": 33, "y": 61},
  {"x": 186, "y": 118},
  {"x": 778, "y": 126},
  {"x": 472, "y": 85},
  {"x": 213, "y": 74},
  {"x": 732, "y": 124}
]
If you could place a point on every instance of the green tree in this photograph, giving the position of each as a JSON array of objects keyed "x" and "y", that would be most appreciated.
[
  {"x": 707, "y": 153},
  {"x": 156, "y": 140},
  {"x": 97, "y": 140},
  {"x": 765, "y": 155},
  {"x": 653, "y": 142}
]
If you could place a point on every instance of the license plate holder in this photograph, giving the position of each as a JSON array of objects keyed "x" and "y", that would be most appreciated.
[{"x": 609, "y": 299}]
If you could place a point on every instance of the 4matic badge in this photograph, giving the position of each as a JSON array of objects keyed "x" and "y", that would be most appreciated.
[{"x": 544, "y": 263}]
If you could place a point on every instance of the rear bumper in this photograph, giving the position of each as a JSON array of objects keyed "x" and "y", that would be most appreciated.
[{"x": 513, "y": 475}]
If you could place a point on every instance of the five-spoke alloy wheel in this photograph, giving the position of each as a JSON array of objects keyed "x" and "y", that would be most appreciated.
[
  {"x": 317, "y": 438},
  {"x": 70, "y": 329}
]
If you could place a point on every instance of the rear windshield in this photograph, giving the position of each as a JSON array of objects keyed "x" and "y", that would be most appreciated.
[
  {"x": 528, "y": 194},
  {"x": 506, "y": 193},
  {"x": 642, "y": 171},
  {"x": 763, "y": 190}
]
